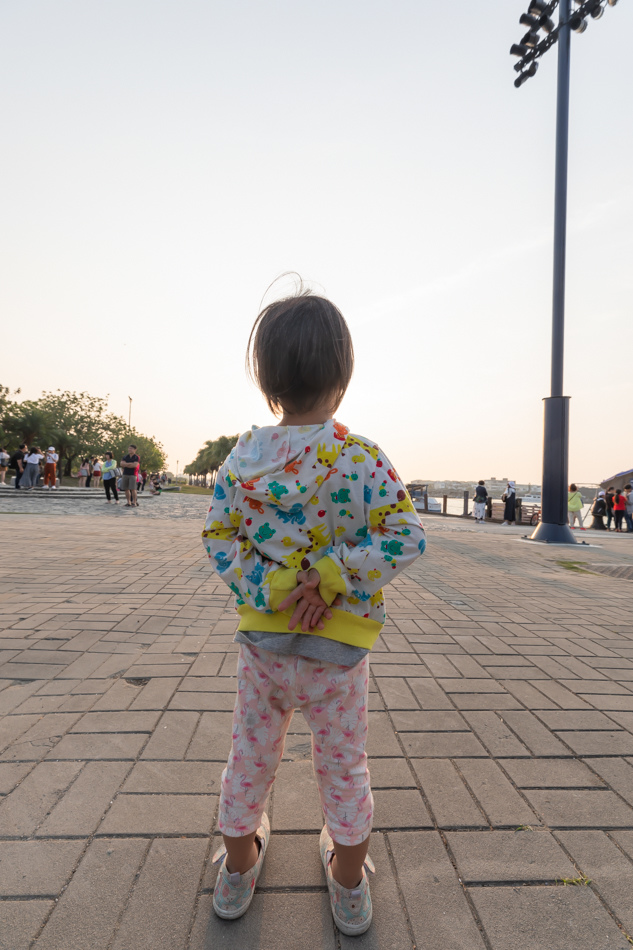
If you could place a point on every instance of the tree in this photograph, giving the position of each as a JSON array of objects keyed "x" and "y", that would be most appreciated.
[
  {"x": 210, "y": 457},
  {"x": 150, "y": 451},
  {"x": 27, "y": 422}
]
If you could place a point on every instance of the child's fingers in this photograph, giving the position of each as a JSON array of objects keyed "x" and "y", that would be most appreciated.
[
  {"x": 307, "y": 619},
  {"x": 290, "y": 599},
  {"x": 298, "y": 613}
]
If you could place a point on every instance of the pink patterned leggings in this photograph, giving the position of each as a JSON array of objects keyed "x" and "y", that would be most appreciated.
[{"x": 333, "y": 700}]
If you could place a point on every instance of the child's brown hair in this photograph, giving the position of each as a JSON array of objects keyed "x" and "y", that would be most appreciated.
[{"x": 300, "y": 353}]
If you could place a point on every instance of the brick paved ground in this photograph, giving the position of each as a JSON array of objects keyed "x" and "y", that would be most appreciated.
[{"x": 501, "y": 748}]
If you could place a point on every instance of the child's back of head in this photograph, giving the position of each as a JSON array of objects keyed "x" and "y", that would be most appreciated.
[{"x": 300, "y": 354}]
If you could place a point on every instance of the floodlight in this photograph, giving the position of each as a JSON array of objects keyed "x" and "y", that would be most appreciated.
[
  {"x": 577, "y": 24},
  {"x": 546, "y": 24},
  {"x": 537, "y": 7},
  {"x": 597, "y": 11},
  {"x": 530, "y": 39},
  {"x": 530, "y": 21},
  {"x": 612, "y": 3},
  {"x": 518, "y": 49},
  {"x": 530, "y": 71}
]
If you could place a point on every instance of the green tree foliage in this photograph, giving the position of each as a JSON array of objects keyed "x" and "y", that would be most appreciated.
[
  {"x": 210, "y": 458},
  {"x": 77, "y": 424}
]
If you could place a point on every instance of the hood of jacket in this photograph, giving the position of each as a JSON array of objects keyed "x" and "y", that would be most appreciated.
[{"x": 282, "y": 465}]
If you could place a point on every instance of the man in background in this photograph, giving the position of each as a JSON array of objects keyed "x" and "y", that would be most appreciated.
[
  {"x": 130, "y": 464},
  {"x": 17, "y": 462}
]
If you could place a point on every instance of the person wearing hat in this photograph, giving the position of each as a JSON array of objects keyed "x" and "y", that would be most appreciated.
[
  {"x": 599, "y": 511},
  {"x": 50, "y": 468}
]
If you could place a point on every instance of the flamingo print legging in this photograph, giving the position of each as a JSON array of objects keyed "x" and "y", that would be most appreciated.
[{"x": 333, "y": 700}]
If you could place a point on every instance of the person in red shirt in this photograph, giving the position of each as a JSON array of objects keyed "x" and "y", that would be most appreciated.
[{"x": 619, "y": 507}]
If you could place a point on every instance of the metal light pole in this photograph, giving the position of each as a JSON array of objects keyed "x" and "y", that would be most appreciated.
[
  {"x": 553, "y": 527},
  {"x": 129, "y": 417},
  {"x": 554, "y": 524}
]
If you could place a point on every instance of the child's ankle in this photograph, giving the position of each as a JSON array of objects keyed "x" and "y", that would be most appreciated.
[
  {"x": 350, "y": 882},
  {"x": 251, "y": 861}
]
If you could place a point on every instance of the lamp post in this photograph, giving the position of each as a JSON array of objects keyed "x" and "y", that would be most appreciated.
[
  {"x": 553, "y": 527},
  {"x": 129, "y": 416}
]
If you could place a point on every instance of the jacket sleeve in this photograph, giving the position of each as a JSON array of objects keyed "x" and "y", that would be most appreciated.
[
  {"x": 253, "y": 577},
  {"x": 393, "y": 539}
]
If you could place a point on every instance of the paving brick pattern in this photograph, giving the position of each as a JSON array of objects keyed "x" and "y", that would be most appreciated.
[{"x": 501, "y": 749}]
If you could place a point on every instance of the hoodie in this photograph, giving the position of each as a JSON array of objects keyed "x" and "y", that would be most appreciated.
[{"x": 289, "y": 498}]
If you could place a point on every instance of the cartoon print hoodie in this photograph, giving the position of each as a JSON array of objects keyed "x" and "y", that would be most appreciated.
[{"x": 289, "y": 498}]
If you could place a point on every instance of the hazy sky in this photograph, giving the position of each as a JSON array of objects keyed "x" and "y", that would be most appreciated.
[{"x": 162, "y": 162}]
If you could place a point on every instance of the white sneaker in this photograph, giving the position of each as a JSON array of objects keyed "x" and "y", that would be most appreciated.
[{"x": 351, "y": 909}]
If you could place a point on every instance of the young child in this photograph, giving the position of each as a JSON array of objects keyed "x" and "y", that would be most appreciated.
[{"x": 308, "y": 523}]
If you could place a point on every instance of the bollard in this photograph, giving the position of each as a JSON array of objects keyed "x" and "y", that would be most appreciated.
[
  {"x": 444, "y": 503},
  {"x": 426, "y": 500},
  {"x": 466, "y": 504}
]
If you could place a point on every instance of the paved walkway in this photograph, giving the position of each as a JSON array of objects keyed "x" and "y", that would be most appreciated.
[{"x": 501, "y": 748}]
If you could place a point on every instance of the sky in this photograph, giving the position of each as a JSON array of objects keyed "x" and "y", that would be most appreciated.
[{"x": 164, "y": 161}]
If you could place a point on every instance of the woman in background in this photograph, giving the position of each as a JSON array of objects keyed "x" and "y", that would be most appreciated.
[
  {"x": 109, "y": 478},
  {"x": 4, "y": 464},
  {"x": 619, "y": 509},
  {"x": 83, "y": 473},
  {"x": 599, "y": 511},
  {"x": 32, "y": 467},
  {"x": 574, "y": 507},
  {"x": 510, "y": 498}
]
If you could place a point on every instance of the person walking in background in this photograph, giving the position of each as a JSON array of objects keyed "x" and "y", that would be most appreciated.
[
  {"x": 574, "y": 507},
  {"x": 628, "y": 514},
  {"x": 4, "y": 464},
  {"x": 130, "y": 464},
  {"x": 32, "y": 468},
  {"x": 619, "y": 509},
  {"x": 17, "y": 463},
  {"x": 144, "y": 477},
  {"x": 479, "y": 510},
  {"x": 84, "y": 472},
  {"x": 255, "y": 535},
  {"x": 50, "y": 468},
  {"x": 89, "y": 473},
  {"x": 510, "y": 498},
  {"x": 109, "y": 478},
  {"x": 609, "y": 501},
  {"x": 599, "y": 511},
  {"x": 96, "y": 471}
]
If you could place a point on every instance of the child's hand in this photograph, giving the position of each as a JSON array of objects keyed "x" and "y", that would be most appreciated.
[{"x": 310, "y": 606}]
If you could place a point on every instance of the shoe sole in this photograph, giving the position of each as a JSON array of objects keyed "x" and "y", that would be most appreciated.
[
  {"x": 353, "y": 931},
  {"x": 226, "y": 915}
]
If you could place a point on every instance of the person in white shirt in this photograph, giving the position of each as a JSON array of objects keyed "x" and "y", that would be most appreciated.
[
  {"x": 32, "y": 468},
  {"x": 50, "y": 468},
  {"x": 96, "y": 472},
  {"x": 4, "y": 464}
]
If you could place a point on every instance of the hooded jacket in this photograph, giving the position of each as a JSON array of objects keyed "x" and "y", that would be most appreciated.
[{"x": 289, "y": 498}]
